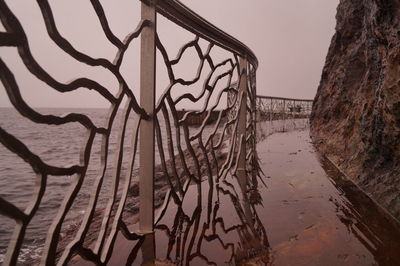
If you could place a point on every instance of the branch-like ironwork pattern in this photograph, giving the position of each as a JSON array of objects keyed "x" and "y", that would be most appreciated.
[{"x": 206, "y": 156}]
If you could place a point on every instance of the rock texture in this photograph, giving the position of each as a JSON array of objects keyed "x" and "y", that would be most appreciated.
[{"x": 356, "y": 114}]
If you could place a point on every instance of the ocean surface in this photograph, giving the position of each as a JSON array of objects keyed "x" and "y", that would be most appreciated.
[
  {"x": 61, "y": 146},
  {"x": 58, "y": 146}
]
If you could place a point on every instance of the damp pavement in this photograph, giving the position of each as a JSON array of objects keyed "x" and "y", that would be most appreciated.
[
  {"x": 305, "y": 213},
  {"x": 313, "y": 215}
]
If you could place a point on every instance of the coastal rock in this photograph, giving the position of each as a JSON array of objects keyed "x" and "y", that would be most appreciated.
[{"x": 355, "y": 119}]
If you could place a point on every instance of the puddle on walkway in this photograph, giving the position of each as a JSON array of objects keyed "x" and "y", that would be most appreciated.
[
  {"x": 308, "y": 215},
  {"x": 313, "y": 216}
]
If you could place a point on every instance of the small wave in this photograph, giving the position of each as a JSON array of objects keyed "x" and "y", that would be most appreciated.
[{"x": 29, "y": 255}]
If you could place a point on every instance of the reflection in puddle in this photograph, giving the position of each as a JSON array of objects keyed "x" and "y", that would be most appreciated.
[
  {"x": 223, "y": 228},
  {"x": 370, "y": 224},
  {"x": 308, "y": 215},
  {"x": 314, "y": 216}
]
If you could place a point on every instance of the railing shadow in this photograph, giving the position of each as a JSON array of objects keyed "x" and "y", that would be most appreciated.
[
  {"x": 364, "y": 218},
  {"x": 213, "y": 228}
]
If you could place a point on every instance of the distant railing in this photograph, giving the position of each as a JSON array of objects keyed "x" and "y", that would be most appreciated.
[
  {"x": 278, "y": 108},
  {"x": 222, "y": 150},
  {"x": 277, "y": 114}
]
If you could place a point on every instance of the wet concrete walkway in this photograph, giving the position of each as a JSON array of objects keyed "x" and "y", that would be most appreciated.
[
  {"x": 313, "y": 216},
  {"x": 305, "y": 214}
]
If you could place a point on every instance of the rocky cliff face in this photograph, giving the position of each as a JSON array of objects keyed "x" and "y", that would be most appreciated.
[{"x": 356, "y": 114}]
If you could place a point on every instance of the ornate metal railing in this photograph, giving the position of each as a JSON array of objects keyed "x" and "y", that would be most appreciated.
[
  {"x": 277, "y": 114},
  {"x": 222, "y": 152},
  {"x": 278, "y": 108}
]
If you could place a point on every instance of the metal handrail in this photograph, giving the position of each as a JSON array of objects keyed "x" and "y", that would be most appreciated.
[
  {"x": 177, "y": 12},
  {"x": 283, "y": 98}
]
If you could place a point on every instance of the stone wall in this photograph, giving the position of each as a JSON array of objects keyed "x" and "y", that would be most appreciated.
[{"x": 356, "y": 114}]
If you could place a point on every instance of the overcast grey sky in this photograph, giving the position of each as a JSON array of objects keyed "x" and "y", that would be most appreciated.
[{"x": 289, "y": 37}]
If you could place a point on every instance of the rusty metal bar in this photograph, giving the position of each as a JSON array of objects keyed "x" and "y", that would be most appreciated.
[{"x": 147, "y": 137}]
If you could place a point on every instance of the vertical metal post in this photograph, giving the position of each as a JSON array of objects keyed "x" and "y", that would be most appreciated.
[
  {"x": 147, "y": 137},
  {"x": 283, "y": 109},
  {"x": 230, "y": 114},
  {"x": 241, "y": 170},
  {"x": 270, "y": 113},
  {"x": 254, "y": 112},
  {"x": 284, "y": 115}
]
